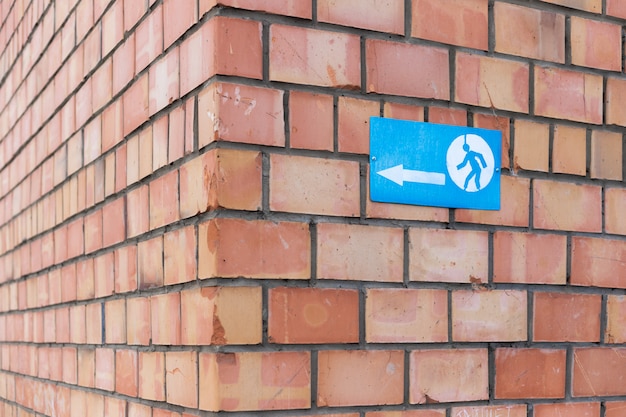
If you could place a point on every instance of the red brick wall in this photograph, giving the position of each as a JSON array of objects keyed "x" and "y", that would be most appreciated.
[{"x": 185, "y": 225}]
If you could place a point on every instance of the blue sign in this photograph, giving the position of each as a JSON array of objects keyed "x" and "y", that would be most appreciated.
[{"x": 434, "y": 165}]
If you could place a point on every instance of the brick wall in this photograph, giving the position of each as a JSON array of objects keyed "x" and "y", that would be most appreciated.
[{"x": 185, "y": 227}]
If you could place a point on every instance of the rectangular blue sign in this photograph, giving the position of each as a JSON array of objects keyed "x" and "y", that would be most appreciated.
[{"x": 428, "y": 164}]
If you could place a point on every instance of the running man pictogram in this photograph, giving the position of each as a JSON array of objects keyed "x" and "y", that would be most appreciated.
[{"x": 472, "y": 158}]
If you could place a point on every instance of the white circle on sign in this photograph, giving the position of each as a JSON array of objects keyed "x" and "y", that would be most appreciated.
[{"x": 470, "y": 162}]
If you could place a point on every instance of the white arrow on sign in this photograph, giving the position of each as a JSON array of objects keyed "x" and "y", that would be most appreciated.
[{"x": 399, "y": 175}]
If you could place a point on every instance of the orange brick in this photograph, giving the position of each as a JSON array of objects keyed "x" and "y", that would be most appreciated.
[
  {"x": 145, "y": 152},
  {"x": 567, "y": 206},
  {"x": 596, "y": 369},
  {"x": 502, "y": 84},
  {"x": 126, "y": 372},
  {"x": 115, "y": 321},
  {"x": 181, "y": 378},
  {"x": 614, "y": 200},
  {"x": 150, "y": 263},
  {"x": 136, "y": 103},
  {"x": 561, "y": 317},
  {"x": 149, "y": 39},
  {"x": 138, "y": 321},
  {"x": 403, "y": 111},
  {"x": 126, "y": 269},
  {"x": 164, "y": 200},
  {"x": 354, "y": 124},
  {"x": 594, "y": 6},
  {"x": 363, "y": 253},
  {"x": 465, "y": 22},
  {"x": 529, "y": 258},
  {"x": 77, "y": 324},
  {"x": 379, "y": 15},
  {"x": 598, "y": 262},
  {"x": 113, "y": 124},
  {"x": 614, "y": 408},
  {"x": 406, "y": 315},
  {"x": 448, "y": 255},
  {"x": 70, "y": 362},
  {"x": 113, "y": 222},
  {"x": 102, "y": 90},
  {"x": 137, "y": 211},
  {"x": 164, "y": 78},
  {"x": 151, "y": 376},
  {"x": 93, "y": 323},
  {"x": 493, "y": 410},
  {"x": 497, "y": 315},
  {"x": 570, "y": 95},
  {"x": 313, "y": 315},
  {"x": 447, "y": 116},
  {"x": 165, "y": 319},
  {"x": 86, "y": 367},
  {"x": 295, "y": 58},
  {"x": 290, "y": 8},
  {"x": 606, "y": 155},
  {"x": 530, "y": 33},
  {"x": 239, "y": 113},
  {"x": 230, "y": 381},
  {"x": 616, "y": 8},
  {"x": 105, "y": 369},
  {"x": 448, "y": 375},
  {"x": 407, "y": 70},
  {"x": 298, "y": 185},
  {"x": 569, "y": 150},
  {"x": 568, "y": 409},
  {"x": 225, "y": 178},
  {"x": 530, "y": 373},
  {"x": 310, "y": 121},
  {"x": 181, "y": 15},
  {"x": 532, "y": 142},
  {"x": 615, "y": 112},
  {"x": 594, "y": 44},
  {"x": 104, "y": 275},
  {"x": 408, "y": 413},
  {"x": 132, "y": 13},
  {"x": 275, "y": 250},
  {"x": 178, "y": 247},
  {"x": 221, "y": 315},
  {"x": 360, "y": 377}
]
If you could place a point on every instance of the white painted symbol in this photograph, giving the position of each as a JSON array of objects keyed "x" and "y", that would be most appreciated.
[
  {"x": 470, "y": 163},
  {"x": 399, "y": 175}
]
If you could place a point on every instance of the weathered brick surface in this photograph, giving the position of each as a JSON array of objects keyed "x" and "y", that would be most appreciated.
[{"x": 186, "y": 227}]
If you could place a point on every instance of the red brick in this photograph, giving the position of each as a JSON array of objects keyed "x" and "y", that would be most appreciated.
[
  {"x": 289, "y": 8},
  {"x": 180, "y": 16},
  {"x": 356, "y": 252},
  {"x": 379, "y": 15},
  {"x": 298, "y": 185},
  {"x": 133, "y": 11},
  {"x": 150, "y": 263},
  {"x": 616, "y": 8},
  {"x": 105, "y": 369},
  {"x": 221, "y": 315},
  {"x": 530, "y": 373},
  {"x": 77, "y": 324},
  {"x": 113, "y": 124},
  {"x": 594, "y": 6},
  {"x": 126, "y": 372},
  {"x": 569, "y": 150},
  {"x": 151, "y": 376},
  {"x": 570, "y": 95},
  {"x": 561, "y": 317},
  {"x": 532, "y": 142},
  {"x": 530, "y": 33},
  {"x": 70, "y": 362},
  {"x": 313, "y": 315},
  {"x": 529, "y": 258},
  {"x": 176, "y": 134},
  {"x": 178, "y": 248},
  {"x": 354, "y": 124},
  {"x": 160, "y": 139},
  {"x": 164, "y": 200},
  {"x": 181, "y": 378},
  {"x": 594, "y": 44},
  {"x": 448, "y": 255},
  {"x": 606, "y": 155},
  {"x": 448, "y": 375},
  {"x": 311, "y": 121},
  {"x": 221, "y": 178},
  {"x": 102, "y": 85},
  {"x": 238, "y": 113},
  {"x": 614, "y": 408},
  {"x": 447, "y": 116},
  {"x": 164, "y": 80},
  {"x": 597, "y": 371},
  {"x": 126, "y": 269},
  {"x": 496, "y": 315},
  {"x": 149, "y": 39},
  {"x": 112, "y": 27},
  {"x": 614, "y": 200},
  {"x": 93, "y": 323},
  {"x": 568, "y": 409},
  {"x": 115, "y": 321},
  {"x": 86, "y": 367},
  {"x": 137, "y": 211},
  {"x": 490, "y": 411},
  {"x": 275, "y": 250},
  {"x": 402, "y": 211},
  {"x": 113, "y": 222},
  {"x": 406, "y": 316},
  {"x": 598, "y": 262},
  {"x": 615, "y": 112},
  {"x": 145, "y": 152},
  {"x": 104, "y": 275},
  {"x": 408, "y": 413},
  {"x": 165, "y": 319},
  {"x": 295, "y": 57},
  {"x": 136, "y": 104},
  {"x": 465, "y": 22},
  {"x": 138, "y": 321},
  {"x": 407, "y": 70},
  {"x": 230, "y": 381},
  {"x": 567, "y": 206},
  {"x": 360, "y": 377},
  {"x": 502, "y": 84}
]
